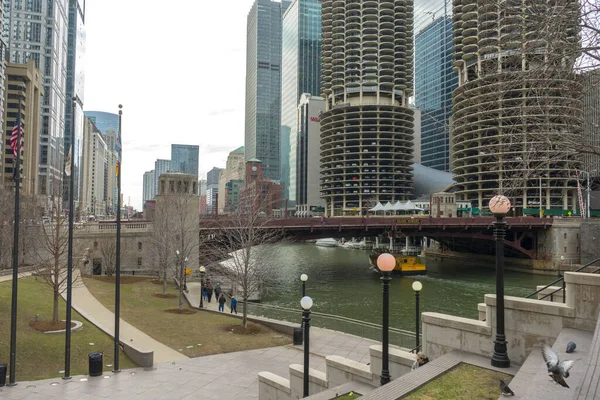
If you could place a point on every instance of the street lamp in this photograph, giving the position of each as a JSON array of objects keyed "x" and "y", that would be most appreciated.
[
  {"x": 500, "y": 205},
  {"x": 306, "y": 304},
  {"x": 303, "y": 278},
  {"x": 185, "y": 274},
  {"x": 386, "y": 264},
  {"x": 202, "y": 271},
  {"x": 417, "y": 286}
]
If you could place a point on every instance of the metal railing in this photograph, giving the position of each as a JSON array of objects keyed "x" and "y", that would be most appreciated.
[
  {"x": 562, "y": 280},
  {"x": 369, "y": 330}
]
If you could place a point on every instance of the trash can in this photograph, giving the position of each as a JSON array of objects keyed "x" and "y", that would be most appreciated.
[
  {"x": 3, "y": 368},
  {"x": 95, "y": 364},
  {"x": 297, "y": 336}
]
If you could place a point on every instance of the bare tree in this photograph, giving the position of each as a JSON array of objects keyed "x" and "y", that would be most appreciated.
[
  {"x": 6, "y": 226},
  {"x": 108, "y": 252},
  {"x": 162, "y": 245}
]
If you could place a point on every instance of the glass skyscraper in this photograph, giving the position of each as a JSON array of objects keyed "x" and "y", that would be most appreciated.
[
  {"x": 263, "y": 85},
  {"x": 104, "y": 120},
  {"x": 184, "y": 158},
  {"x": 301, "y": 73},
  {"x": 435, "y": 80}
]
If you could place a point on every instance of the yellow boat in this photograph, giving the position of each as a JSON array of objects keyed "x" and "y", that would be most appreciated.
[{"x": 406, "y": 265}]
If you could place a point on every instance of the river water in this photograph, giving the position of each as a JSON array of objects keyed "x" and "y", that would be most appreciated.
[{"x": 341, "y": 283}]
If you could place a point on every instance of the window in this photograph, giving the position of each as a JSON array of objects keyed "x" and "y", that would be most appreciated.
[
  {"x": 95, "y": 245},
  {"x": 140, "y": 246},
  {"x": 139, "y": 261}
]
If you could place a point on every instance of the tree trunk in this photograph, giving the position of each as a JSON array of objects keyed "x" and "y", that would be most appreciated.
[
  {"x": 245, "y": 312},
  {"x": 165, "y": 283},
  {"x": 55, "y": 304}
]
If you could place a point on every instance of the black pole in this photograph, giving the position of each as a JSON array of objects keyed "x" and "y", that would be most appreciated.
[
  {"x": 303, "y": 288},
  {"x": 201, "y": 288},
  {"x": 71, "y": 174},
  {"x": 418, "y": 321},
  {"x": 500, "y": 357},
  {"x": 15, "y": 254},
  {"x": 385, "y": 372},
  {"x": 306, "y": 322},
  {"x": 118, "y": 258}
]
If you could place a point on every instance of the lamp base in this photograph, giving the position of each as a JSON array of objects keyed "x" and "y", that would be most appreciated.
[{"x": 500, "y": 357}]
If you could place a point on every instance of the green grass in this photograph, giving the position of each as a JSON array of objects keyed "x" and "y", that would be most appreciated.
[
  {"x": 466, "y": 382},
  {"x": 41, "y": 355},
  {"x": 211, "y": 330},
  {"x": 349, "y": 396}
]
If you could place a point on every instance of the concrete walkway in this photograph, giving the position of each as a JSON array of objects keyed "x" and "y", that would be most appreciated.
[
  {"x": 88, "y": 306},
  {"x": 193, "y": 297},
  {"x": 5, "y": 278},
  {"x": 218, "y": 377}
]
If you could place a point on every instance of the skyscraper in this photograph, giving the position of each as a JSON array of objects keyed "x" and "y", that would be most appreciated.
[
  {"x": 300, "y": 73},
  {"x": 591, "y": 122},
  {"x": 103, "y": 120},
  {"x": 160, "y": 167},
  {"x": 184, "y": 158},
  {"x": 148, "y": 186},
  {"x": 435, "y": 80},
  {"x": 263, "y": 85},
  {"x": 94, "y": 171},
  {"x": 367, "y": 129}
]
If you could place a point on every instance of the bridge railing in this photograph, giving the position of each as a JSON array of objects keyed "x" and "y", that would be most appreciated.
[{"x": 368, "y": 330}]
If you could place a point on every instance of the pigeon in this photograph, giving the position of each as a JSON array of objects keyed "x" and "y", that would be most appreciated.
[
  {"x": 571, "y": 346},
  {"x": 556, "y": 369},
  {"x": 505, "y": 389}
]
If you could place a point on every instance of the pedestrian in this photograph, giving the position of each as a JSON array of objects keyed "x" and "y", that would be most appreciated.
[
  {"x": 217, "y": 291},
  {"x": 233, "y": 304},
  {"x": 222, "y": 301},
  {"x": 322, "y": 220},
  {"x": 209, "y": 291}
]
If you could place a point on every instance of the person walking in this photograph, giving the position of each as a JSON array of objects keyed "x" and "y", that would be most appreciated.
[
  {"x": 218, "y": 291},
  {"x": 209, "y": 291},
  {"x": 233, "y": 304},
  {"x": 222, "y": 301}
]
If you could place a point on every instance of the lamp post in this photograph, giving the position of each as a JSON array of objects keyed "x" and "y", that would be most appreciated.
[
  {"x": 386, "y": 264},
  {"x": 417, "y": 286},
  {"x": 303, "y": 278},
  {"x": 306, "y": 304},
  {"x": 202, "y": 271},
  {"x": 499, "y": 206},
  {"x": 185, "y": 274}
]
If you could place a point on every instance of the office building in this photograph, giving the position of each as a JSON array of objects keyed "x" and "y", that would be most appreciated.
[
  {"x": 300, "y": 73},
  {"x": 304, "y": 156},
  {"x": 23, "y": 81},
  {"x": 160, "y": 167},
  {"x": 38, "y": 31},
  {"x": 367, "y": 128},
  {"x": 3, "y": 61},
  {"x": 184, "y": 158},
  {"x": 263, "y": 85},
  {"x": 212, "y": 190},
  {"x": 104, "y": 121},
  {"x": 148, "y": 186},
  {"x": 94, "y": 171},
  {"x": 517, "y": 100},
  {"x": 234, "y": 171},
  {"x": 591, "y": 123},
  {"x": 435, "y": 80},
  {"x": 259, "y": 194}
]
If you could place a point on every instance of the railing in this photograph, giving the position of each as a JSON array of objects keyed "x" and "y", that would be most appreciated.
[
  {"x": 562, "y": 279},
  {"x": 369, "y": 330}
]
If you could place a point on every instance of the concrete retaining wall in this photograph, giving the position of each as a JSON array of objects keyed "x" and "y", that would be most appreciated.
[{"x": 139, "y": 357}]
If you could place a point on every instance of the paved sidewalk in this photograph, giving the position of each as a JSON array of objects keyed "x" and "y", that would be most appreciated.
[
  {"x": 5, "y": 278},
  {"x": 193, "y": 297},
  {"x": 88, "y": 306},
  {"x": 218, "y": 377}
]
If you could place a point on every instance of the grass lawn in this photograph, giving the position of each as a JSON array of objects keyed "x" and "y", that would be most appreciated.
[
  {"x": 465, "y": 381},
  {"x": 197, "y": 334},
  {"x": 349, "y": 396},
  {"x": 41, "y": 355}
]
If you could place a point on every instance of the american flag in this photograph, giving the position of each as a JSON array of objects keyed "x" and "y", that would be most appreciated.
[{"x": 18, "y": 128}]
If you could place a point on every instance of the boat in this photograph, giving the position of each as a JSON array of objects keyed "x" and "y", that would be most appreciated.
[
  {"x": 328, "y": 242},
  {"x": 407, "y": 262},
  {"x": 354, "y": 244}
]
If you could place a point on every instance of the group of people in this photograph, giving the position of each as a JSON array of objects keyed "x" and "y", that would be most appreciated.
[{"x": 207, "y": 294}]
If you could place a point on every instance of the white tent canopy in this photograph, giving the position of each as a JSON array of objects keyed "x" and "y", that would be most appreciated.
[
  {"x": 388, "y": 207},
  {"x": 399, "y": 206},
  {"x": 378, "y": 207},
  {"x": 409, "y": 205}
]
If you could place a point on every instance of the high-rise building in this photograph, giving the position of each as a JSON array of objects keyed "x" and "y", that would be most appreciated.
[
  {"x": 300, "y": 73},
  {"x": 212, "y": 190},
  {"x": 104, "y": 120},
  {"x": 591, "y": 123},
  {"x": 517, "y": 100},
  {"x": 263, "y": 84},
  {"x": 94, "y": 171},
  {"x": 148, "y": 186},
  {"x": 23, "y": 81},
  {"x": 160, "y": 167},
  {"x": 234, "y": 170},
  {"x": 435, "y": 80},
  {"x": 367, "y": 129},
  {"x": 305, "y": 154},
  {"x": 38, "y": 31},
  {"x": 3, "y": 60},
  {"x": 112, "y": 157},
  {"x": 184, "y": 158},
  {"x": 259, "y": 195}
]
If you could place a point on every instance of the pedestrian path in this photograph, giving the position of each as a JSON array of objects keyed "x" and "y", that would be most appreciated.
[
  {"x": 88, "y": 306},
  {"x": 193, "y": 298},
  {"x": 5, "y": 278}
]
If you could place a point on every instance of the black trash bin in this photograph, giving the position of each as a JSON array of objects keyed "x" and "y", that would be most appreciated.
[
  {"x": 298, "y": 336},
  {"x": 95, "y": 367},
  {"x": 3, "y": 368}
]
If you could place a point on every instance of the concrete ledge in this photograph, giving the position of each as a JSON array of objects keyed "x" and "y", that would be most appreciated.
[
  {"x": 341, "y": 370},
  {"x": 317, "y": 381},
  {"x": 356, "y": 387},
  {"x": 142, "y": 358},
  {"x": 482, "y": 309},
  {"x": 532, "y": 305},
  {"x": 580, "y": 278},
  {"x": 400, "y": 361},
  {"x": 460, "y": 323},
  {"x": 314, "y": 376},
  {"x": 551, "y": 293},
  {"x": 273, "y": 387}
]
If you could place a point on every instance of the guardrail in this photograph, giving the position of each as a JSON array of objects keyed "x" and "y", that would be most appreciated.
[{"x": 369, "y": 330}]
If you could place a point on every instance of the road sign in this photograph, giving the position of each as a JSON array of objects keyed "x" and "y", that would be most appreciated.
[{"x": 188, "y": 271}]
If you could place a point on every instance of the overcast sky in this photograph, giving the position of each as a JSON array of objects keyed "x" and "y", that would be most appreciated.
[{"x": 178, "y": 68}]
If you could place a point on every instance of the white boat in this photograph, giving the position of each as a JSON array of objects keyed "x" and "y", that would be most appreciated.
[
  {"x": 351, "y": 244},
  {"x": 328, "y": 242}
]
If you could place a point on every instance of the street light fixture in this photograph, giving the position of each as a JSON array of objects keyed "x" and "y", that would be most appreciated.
[
  {"x": 306, "y": 304},
  {"x": 417, "y": 286},
  {"x": 500, "y": 205},
  {"x": 303, "y": 278},
  {"x": 202, "y": 270},
  {"x": 386, "y": 264},
  {"x": 185, "y": 275}
]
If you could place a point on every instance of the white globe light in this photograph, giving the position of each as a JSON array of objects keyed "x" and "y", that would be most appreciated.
[
  {"x": 306, "y": 303},
  {"x": 303, "y": 277},
  {"x": 417, "y": 286},
  {"x": 386, "y": 262},
  {"x": 499, "y": 204},
  {"x": 202, "y": 270}
]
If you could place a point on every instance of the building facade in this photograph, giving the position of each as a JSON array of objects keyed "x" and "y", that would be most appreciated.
[
  {"x": 300, "y": 73},
  {"x": 104, "y": 121},
  {"x": 24, "y": 84},
  {"x": 93, "y": 171},
  {"x": 517, "y": 102},
  {"x": 591, "y": 124},
  {"x": 160, "y": 167},
  {"x": 148, "y": 186},
  {"x": 435, "y": 80},
  {"x": 259, "y": 194},
  {"x": 367, "y": 129},
  {"x": 263, "y": 85},
  {"x": 234, "y": 171},
  {"x": 184, "y": 158}
]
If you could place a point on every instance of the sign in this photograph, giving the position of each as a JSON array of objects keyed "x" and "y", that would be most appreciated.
[
  {"x": 188, "y": 271},
  {"x": 407, "y": 221},
  {"x": 315, "y": 119}
]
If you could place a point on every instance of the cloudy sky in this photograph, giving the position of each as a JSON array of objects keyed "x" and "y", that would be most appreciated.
[{"x": 178, "y": 68}]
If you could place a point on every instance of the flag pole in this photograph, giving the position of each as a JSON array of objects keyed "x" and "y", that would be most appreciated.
[
  {"x": 70, "y": 173},
  {"x": 15, "y": 253},
  {"x": 118, "y": 248}
]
